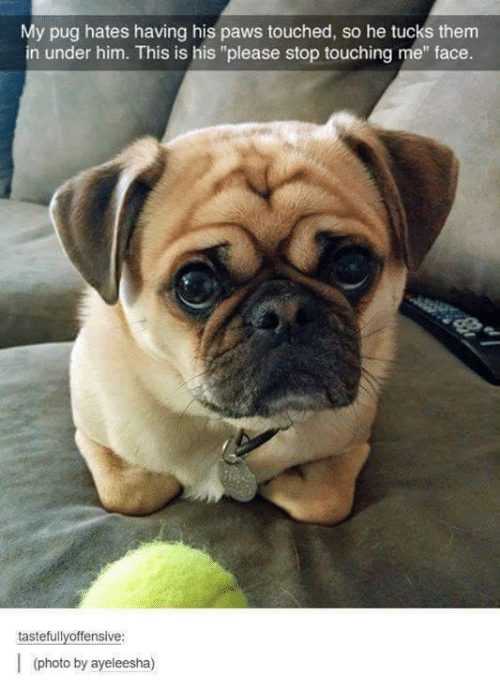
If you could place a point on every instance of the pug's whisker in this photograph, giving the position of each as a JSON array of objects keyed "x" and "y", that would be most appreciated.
[
  {"x": 364, "y": 404},
  {"x": 385, "y": 328},
  {"x": 357, "y": 419},
  {"x": 380, "y": 330},
  {"x": 372, "y": 387},
  {"x": 368, "y": 392},
  {"x": 380, "y": 315},
  {"x": 387, "y": 361},
  {"x": 186, "y": 382},
  {"x": 185, "y": 410},
  {"x": 291, "y": 423},
  {"x": 378, "y": 379},
  {"x": 219, "y": 355},
  {"x": 211, "y": 361}
]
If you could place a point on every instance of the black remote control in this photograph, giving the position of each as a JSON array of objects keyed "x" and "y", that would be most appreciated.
[{"x": 478, "y": 345}]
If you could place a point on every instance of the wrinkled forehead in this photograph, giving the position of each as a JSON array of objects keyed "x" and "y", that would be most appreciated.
[{"x": 262, "y": 193}]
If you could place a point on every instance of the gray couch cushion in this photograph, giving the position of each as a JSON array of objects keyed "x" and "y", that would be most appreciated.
[
  {"x": 39, "y": 289},
  {"x": 424, "y": 531},
  {"x": 70, "y": 120},
  {"x": 207, "y": 98},
  {"x": 461, "y": 109}
]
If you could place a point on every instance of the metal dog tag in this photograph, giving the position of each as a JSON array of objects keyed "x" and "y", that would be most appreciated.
[{"x": 238, "y": 481}]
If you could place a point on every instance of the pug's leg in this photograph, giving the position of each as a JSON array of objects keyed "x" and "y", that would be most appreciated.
[
  {"x": 125, "y": 488},
  {"x": 319, "y": 492}
]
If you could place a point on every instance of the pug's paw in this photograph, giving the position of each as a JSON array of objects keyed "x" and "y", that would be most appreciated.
[
  {"x": 125, "y": 488},
  {"x": 320, "y": 492}
]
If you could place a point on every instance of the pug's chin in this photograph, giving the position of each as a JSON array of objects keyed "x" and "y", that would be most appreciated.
[
  {"x": 280, "y": 416},
  {"x": 277, "y": 408}
]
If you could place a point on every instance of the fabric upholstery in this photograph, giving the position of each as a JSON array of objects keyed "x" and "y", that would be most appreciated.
[
  {"x": 39, "y": 288},
  {"x": 207, "y": 98},
  {"x": 459, "y": 108},
  {"x": 424, "y": 532},
  {"x": 70, "y": 120}
]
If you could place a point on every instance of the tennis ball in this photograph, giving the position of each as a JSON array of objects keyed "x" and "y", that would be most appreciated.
[{"x": 161, "y": 574}]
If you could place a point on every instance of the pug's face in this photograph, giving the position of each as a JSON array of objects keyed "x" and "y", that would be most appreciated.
[
  {"x": 252, "y": 259},
  {"x": 273, "y": 342}
]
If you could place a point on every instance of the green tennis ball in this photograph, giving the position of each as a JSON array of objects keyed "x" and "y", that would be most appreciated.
[{"x": 160, "y": 574}]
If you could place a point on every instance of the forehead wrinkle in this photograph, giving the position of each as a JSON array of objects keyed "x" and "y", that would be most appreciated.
[
  {"x": 335, "y": 198},
  {"x": 302, "y": 248},
  {"x": 330, "y": 165},
  {"x": 200, "y": 240},
  {"x": 263, "y": 165},
  {"x": 240, "y": 207},
  {"x": 300, "y": 181},
  {"x": 252, "y": 168},
  {"x": 228, "y": 224},
  {"x": 199, "y": 168},
  {"x": 293, "y": 202},
  {"x": 242, "y": 178},
  {"x": 258, "y": 167}
]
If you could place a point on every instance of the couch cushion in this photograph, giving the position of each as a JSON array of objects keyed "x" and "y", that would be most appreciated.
[
  {"x": 424, "y": 531},
  {"x": 70, "y": 120},
  {"x": 207, "y": 98},
  {"x": 461, "y": 109},
  {"x": 39, "y": 289}
]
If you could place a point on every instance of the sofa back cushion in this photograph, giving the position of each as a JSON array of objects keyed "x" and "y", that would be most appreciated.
[
  {"x": 207, "y": 98},
  {"x": 70, "y": 120},
  {"x": 461, "y": 109}
]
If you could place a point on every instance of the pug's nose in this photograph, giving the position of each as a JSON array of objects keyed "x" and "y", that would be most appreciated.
[{"x": 280, "y": 309}]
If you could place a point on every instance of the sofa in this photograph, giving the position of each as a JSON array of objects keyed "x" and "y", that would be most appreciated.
[{"x": 425, "y": 527}]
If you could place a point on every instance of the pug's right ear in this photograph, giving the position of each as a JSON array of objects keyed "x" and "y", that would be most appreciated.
[{"x": 95, "y": 213}]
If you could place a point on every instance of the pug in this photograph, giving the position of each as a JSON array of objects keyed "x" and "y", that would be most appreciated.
[{"x": 243, "y": 289}]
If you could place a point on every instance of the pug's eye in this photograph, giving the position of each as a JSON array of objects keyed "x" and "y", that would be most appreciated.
[
  {"x": 352, "y": 267},
  {"x": 197, "y": 287}
]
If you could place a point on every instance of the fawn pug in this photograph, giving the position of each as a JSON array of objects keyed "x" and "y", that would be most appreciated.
[{"x": 244, "y": 277}]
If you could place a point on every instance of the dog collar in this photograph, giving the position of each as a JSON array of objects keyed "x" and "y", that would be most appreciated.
[{"x": 239, "y": 482}]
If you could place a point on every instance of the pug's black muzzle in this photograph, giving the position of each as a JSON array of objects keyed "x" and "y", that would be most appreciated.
[{"x": 296, "y": 352}]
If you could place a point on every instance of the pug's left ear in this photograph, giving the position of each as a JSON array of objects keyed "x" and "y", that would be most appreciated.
[
  {"x": 416, "y": 177},
  {"x": 95, "y": 213}
]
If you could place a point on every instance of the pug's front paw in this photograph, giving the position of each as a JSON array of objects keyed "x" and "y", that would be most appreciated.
[{"x": 320, "y": 492}]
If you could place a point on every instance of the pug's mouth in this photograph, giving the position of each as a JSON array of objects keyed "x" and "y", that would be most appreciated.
[
  {"x": 279, "y": 401},
  {"x": 299, "y": 392},
  {"x": 310, "y": 396}
]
